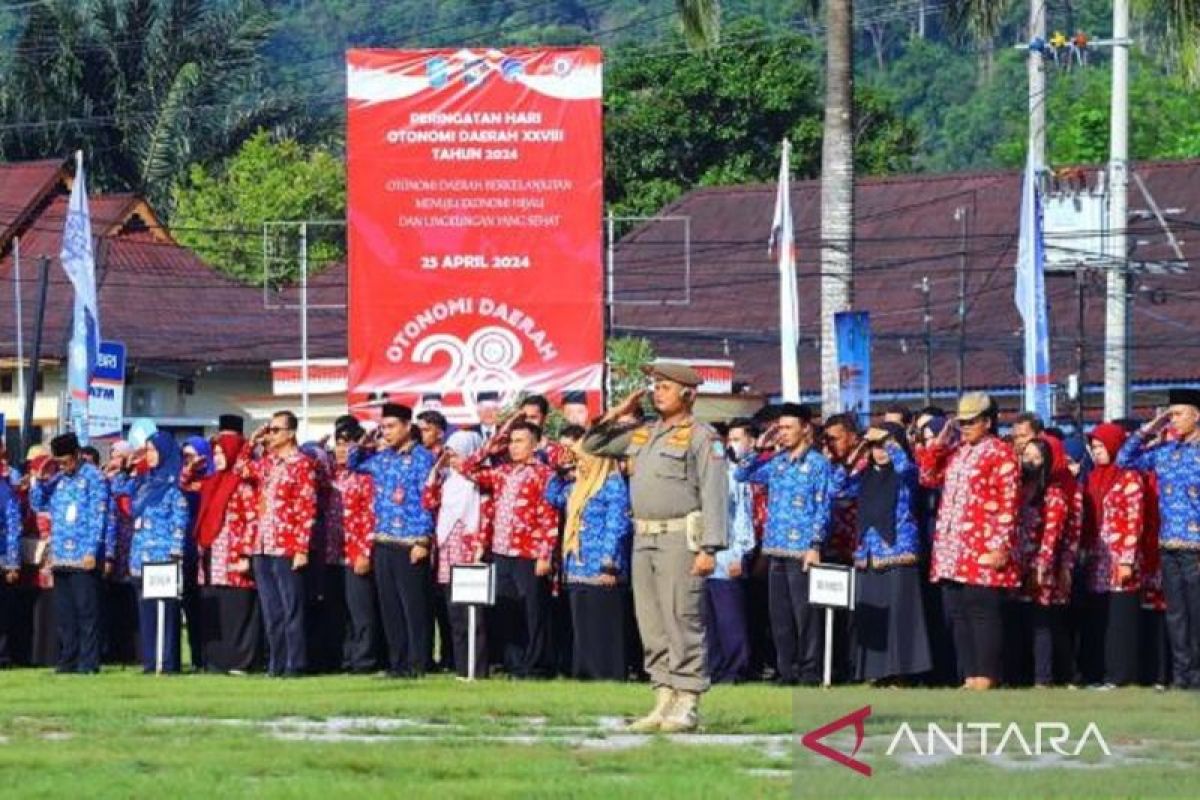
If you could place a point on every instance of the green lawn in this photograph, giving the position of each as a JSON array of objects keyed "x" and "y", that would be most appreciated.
[{"x": 126, "y": 735}]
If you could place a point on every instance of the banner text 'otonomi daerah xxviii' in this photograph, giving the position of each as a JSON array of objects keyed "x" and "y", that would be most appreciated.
[{"x": 474, "y": 224}]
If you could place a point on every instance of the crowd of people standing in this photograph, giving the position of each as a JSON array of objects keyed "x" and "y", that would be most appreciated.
[{"x": 625, "y": 548}]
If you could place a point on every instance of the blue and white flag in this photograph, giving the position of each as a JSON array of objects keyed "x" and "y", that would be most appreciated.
[
  {"x": 79, "y": 263},
  {"x": 1030, "y": 297},
  {"x": 783, "y": 245}
]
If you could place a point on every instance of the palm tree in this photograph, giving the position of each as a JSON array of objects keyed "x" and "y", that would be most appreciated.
[
  {"x": 837, "y": 190},
  {"x": 701, "y": 22},
  {"x": 145, "y": 87}
]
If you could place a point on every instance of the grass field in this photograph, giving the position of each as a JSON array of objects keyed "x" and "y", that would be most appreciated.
[{"x": 123, "y": 734}]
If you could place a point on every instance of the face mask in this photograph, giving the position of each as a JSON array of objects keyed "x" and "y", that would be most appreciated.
[
  {"x": 738, "y": 451},
  {"x": 1031, "y": 472}
]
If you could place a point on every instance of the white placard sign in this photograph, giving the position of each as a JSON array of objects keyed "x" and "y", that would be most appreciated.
[
  {"x": 831, "y": 586},
  {"x": 162, "y": 581},
  {"x": 473, "y": 584}
]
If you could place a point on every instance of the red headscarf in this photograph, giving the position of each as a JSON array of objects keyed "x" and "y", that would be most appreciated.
[
  {"x": 1102, "y": 478},
  {"x": 1060, "y": 467},
  {"x": 217, "y": 489}
]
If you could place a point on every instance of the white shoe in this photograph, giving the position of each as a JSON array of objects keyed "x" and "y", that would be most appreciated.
[
  {"x": 664, "y": 697},
  {"x": 683, "y": 715}
]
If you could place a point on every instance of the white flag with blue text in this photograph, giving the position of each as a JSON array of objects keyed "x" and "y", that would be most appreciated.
[
  {"x": 783, "y": 244},
  {"x": 79, "y": 262},
  {"x": 1030, "y": 297}
]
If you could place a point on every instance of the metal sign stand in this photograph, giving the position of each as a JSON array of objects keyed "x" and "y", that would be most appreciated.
[
  {"x": 472, "y": 585},
  {"x": 831, "y": 586}
]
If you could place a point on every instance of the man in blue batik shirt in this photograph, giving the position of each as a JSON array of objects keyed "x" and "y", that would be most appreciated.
[
  {"x": 725, "y": 631},
  {"x": 798, "y": 480},
  {"x": 77, "y": 499},
  {"x": 1175, "y": 460},
  {"x": 403, "y": 531}
]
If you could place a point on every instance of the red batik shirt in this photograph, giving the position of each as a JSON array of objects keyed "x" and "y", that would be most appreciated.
[
  {"x": 931, "y": 465},
  {"x": 219, "y": 566},
  {"x": 351, "y": 517},
  {"x": 524, "y": 524},
  {"x": 1049, "y": 543},
  {"x": 1117, "y": 541},
  {"x": 978, "y": 513},
  {"x": 287, "y": 504}
]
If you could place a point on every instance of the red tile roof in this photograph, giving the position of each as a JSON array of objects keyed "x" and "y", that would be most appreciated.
[
  {"x": 905, "y": 230},
  {"x": 22, "y": 185}
]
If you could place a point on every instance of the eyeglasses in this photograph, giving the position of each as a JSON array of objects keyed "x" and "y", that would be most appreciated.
[
  {"x": 971, "y": 421},
  {"x": 274, "y": 429}
]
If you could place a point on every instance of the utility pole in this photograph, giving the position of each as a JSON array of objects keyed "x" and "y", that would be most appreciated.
[
  {"x": 1116, "y": 309},
  {"x": 31, "y": 381},
  {"x": 1080, "y": 345},
  {"x": 1036, "y": 63},
  {"x": 960, "y": 214},
  {"x": 927, "y": 325}
]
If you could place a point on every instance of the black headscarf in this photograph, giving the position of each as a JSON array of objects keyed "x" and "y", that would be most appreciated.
[{"x": 879, "y": 492}]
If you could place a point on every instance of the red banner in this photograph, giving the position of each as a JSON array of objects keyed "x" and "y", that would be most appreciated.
[{"x": 475, "y": 205}]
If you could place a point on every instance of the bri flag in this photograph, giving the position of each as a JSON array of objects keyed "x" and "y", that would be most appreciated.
[{"x": 79, "y": 262}]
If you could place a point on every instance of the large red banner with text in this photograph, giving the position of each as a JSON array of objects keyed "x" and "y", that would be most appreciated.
[{"x": 475, "y": 205}]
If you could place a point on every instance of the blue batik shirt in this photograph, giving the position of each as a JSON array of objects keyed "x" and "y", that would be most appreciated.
[
  {"x": 741, "y": 526},
  {"x": 10, "y": 535},
  {"x": 605, "y": 533},
  {"x": 799, "y": 494},
  {"x": 78, "y": 506},
  {"x": 871, "y": 550},
  {"x": 399, "y": 478},
  {"x": 1177, "y": 466},
  {"x": 159, "y": 533}
]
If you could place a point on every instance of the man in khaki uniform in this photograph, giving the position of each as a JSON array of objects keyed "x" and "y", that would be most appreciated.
[{"x": 679, "y": 492}]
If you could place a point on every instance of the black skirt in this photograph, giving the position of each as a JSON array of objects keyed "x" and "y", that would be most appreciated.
[
  {"x": 891, "y": 640},
  {"x": 231, "y": 628}
]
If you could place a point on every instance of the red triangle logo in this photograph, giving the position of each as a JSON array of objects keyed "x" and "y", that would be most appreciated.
[{"x": 812, "y": 740}]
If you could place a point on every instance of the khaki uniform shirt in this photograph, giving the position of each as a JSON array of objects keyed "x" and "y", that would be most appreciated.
[{"x": 674, "y": 470}]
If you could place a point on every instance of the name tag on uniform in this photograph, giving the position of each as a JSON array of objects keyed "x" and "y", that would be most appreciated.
[{"x": 72, "y": 513}]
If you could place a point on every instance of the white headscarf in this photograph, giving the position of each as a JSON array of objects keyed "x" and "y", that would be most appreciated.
[{"x": 460, "y": 509}]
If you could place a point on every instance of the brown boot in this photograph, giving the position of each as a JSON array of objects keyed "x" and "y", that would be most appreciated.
[
  {"x": 683, "y": 715},
  {"x": 664, "y": 695}
]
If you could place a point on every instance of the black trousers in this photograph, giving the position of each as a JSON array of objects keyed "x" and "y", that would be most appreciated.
[
  {"x": 405, "y": 607},
  {"x": 977, "y": 623},
  {"x": 191, "y": 607},
  {"x": 598, "y": 625},
  {"x": 441, "y": 621},
  {"x": 327, "y": 626},
  {"x": 121, "y": 638},
  {"x": 758, "y": 622},
  {"x": 460, "y": 629},
  {"x": 1051, "y": 652},
  {"x": 8, "y": 622},
  {"x": 1181, "y": 586},
  {"x": 521, "y": 616},
  {"x": 796, "y": 627},
  {"x": 281, "y": 595},
  {"x": 77, "y": 613},
  {"x": 362, "y": 626}
]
